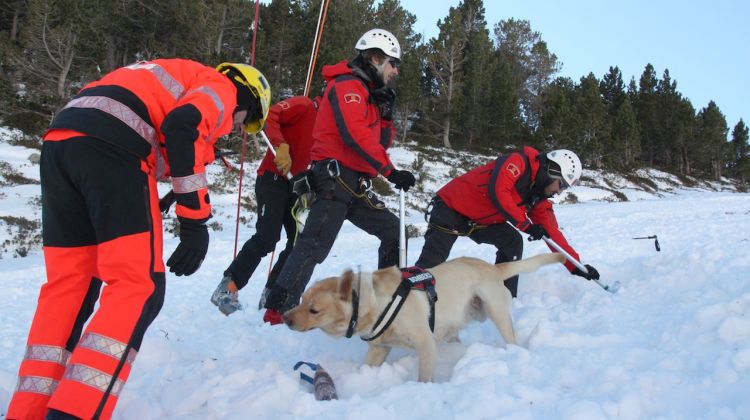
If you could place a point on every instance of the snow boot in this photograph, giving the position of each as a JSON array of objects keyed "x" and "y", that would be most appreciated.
[
  {"x": 225, "y": 297},
  {"x": 263, "y": 298}
]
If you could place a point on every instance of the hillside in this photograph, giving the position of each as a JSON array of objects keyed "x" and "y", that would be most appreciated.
[{"x": 20, "y": 213}]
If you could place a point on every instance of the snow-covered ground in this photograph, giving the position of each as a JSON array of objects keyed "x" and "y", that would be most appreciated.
[{"x": 672, "y": 343}]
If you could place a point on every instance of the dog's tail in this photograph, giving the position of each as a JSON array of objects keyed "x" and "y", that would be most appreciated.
[{"x": 526, "y": 265}]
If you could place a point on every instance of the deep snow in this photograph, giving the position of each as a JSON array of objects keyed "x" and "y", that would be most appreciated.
[{"x": 672, "y": 343}]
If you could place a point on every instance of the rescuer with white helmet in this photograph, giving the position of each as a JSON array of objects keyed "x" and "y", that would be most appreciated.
[
  {"x": 352, "y": 134},
  {"x": 491, "y": 203}
]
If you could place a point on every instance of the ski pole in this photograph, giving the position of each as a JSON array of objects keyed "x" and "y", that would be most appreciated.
[
  {"x": 401, "y": 230},
  {"x": 574, "y": 261}
]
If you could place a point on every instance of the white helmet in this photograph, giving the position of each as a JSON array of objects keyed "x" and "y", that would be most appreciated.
[
  {"x": 382, "y": 40},
  {"x": 568, "y": 167}
]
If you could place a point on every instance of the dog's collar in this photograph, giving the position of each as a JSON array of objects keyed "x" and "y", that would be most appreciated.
[
  {"x": 355, "y": 315},
  {"x": 355, "y": 308}
]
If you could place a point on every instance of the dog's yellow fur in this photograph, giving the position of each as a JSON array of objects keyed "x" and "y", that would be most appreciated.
[{"x": 468, "y": 289}]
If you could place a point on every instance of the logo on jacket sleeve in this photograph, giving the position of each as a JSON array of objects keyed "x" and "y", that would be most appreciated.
[
  {"x": 352, "y": 97},
  {"x": 513, "y": 169},
  {"x": 284, "y": 105}
]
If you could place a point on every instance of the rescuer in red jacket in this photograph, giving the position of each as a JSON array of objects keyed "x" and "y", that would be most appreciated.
[
  {"x": 353, "y": 130},
  {"x": 101, "y": 159},
  {"x": 289, "y": 128},
  {"x": 514, "y": 188}
]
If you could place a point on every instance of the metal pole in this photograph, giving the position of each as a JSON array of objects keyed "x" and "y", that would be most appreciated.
[
  {"x": 402, "y": 230},
  {"x": 569, "y": 257},
  {"x": 574, "y": 261},
  {"x": 273, "y": 151}
]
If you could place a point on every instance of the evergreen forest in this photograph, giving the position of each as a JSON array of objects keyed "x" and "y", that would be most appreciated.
[{"x": 477, "y": 85}]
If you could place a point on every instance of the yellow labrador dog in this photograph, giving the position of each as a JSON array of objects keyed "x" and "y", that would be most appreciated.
[{"x": 467, "y": 288}]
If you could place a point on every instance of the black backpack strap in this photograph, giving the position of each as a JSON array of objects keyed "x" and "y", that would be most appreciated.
[{"x": 522, "y": 183}]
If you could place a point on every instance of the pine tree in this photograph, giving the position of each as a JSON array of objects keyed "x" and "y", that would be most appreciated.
[
  {"x": 712, "y": 134},
  {"x": 531, "y": 64},
  {"x": 472, "y": 116},
  {"x": 560, "y": 126},
  {"x": 613, "y": 90},
  {"x": 393, "y": 17},
  {"x": 595, "y": 130},
  {"x": 505, "y": 122},
  {"x": 544, "y": 65},
  {"x": 12, "y": 13},
  {"x": 646, "y": 108},
  {"x": 446, "y": 60},
  {"x": 741, "y": 153},
  {"x": 288, "y": 33},
  {"x": 619, "y": 143},
  {"x": 667, "y": 123},
  {"x": 54, "y": 38},
  {"x": 685, "y": 135},
  {"x": 625, "y": 148}
]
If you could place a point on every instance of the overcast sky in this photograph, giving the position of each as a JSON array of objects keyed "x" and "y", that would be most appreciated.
[{"x": 704, "y": 44}]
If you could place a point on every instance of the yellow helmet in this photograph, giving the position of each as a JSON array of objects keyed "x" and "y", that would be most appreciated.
[{"x": 250, "y": 77}]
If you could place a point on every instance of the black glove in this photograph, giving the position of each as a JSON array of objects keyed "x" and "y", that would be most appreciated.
[
  {"x": 536, "y": 232},
  {"x": 188, "y": 256},
  {"x": 166, "y": 202},
  {"x": 591, "y": 275},
  {"x": 403, "y": 180}
]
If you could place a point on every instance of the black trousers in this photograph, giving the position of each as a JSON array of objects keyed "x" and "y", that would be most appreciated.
[
  {"x": 438, "y": 243},
  {"x": 332, "y": 206},
  {"x": 275, "y": 201}
]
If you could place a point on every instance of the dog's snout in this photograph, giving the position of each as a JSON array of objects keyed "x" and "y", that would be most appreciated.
[{"x": 288, "y": 320}]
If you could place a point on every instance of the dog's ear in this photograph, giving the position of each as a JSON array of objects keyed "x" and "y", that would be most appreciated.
[{"x": 345, "y": 285}]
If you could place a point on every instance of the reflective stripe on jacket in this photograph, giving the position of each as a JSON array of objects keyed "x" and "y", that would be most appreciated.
[{"x": 129, "y": 106}]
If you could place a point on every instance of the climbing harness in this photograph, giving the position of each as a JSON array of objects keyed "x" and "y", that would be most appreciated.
[{"x": 472, "y": 226}]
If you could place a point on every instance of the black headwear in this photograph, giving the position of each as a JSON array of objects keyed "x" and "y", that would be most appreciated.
[{"x": 246, "y": 100}]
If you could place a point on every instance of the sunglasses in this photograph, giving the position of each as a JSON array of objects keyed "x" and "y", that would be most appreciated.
[
  {"x": 395, "y": 62},
  {"x": 555, "y": 173}
]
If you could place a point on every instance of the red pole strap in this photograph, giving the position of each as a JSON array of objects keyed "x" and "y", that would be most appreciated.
[
  {"x": 239, "y": 193},
  {"x": 316, "y": 44},
  {"x": 255, "y": 32}
]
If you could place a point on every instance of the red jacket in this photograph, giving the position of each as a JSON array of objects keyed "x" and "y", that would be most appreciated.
[
  {"x": 349, "y": 128},
  {"x": 291, "y": 121},
  {"x": 491, "y": 195},
  {"x": 169, "y": 112}
]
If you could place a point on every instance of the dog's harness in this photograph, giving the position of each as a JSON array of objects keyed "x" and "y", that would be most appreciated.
[{"x": 411, "y": 278}]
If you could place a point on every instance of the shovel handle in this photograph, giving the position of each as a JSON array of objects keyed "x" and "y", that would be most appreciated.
[
  {"x": 575, "y": 262},
  {"x": 273, "y": 151},
  {"x": 569, "y": 257}
]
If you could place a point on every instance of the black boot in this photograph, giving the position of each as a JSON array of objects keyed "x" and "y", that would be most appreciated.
[{"x": 276, "y": 299}]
